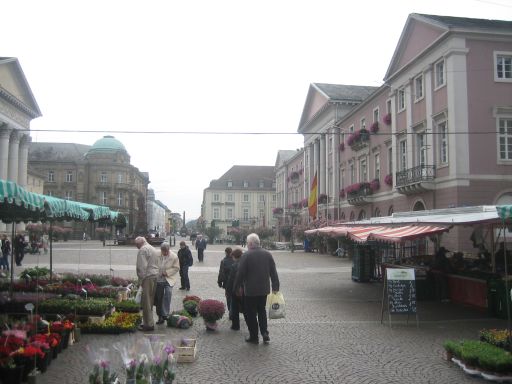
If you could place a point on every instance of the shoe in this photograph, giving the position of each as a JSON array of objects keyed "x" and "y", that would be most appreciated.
[
  {"x": 182, "y": 288},
  {"x": 266, "y": 338},
  {"x": 235, "y": 328},
  {"x": 143, "y": 328},
  {"x": 252, "y": 341},
  {"x": 188, "y": 289},
  {"x": 160, "y": 321}
]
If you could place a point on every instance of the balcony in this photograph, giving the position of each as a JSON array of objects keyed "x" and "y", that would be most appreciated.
[
  {"x": 360, "y": 196},
  {"x": 358, "y": 139},
  {"x": 416, "y": 180}
]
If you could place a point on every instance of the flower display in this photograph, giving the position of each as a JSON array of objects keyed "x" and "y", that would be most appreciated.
[
  {"x": 101, "y": 366},
  {"x": 374, "y": 184},
  {"x": 387, "y": 119},
  {"x": 191, "y": 307},
  {"x": 197, "y": 299},
  {"x": 374, "y": 128},
  {"x": 211, "y": 310},
  {"x": 118, "y": 322},
  {"x": 342, "y": 193},
  {"x": 277, "y": 211},
  {"x": 358, "y": 137},
  {"x": 388, "y": 179}
]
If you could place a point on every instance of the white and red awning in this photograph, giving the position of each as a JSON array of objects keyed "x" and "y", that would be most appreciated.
[{"x": 408, "y": 232}]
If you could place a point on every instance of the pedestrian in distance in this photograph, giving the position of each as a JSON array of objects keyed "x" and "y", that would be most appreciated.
[
  {"x": 222, "y": 278},
  {"x": 255, "y": 272},
  {"x": 168, "y": 269},
  {"x": 19, "y": 248},
  {"x": 186, "y": 261},
  {"x": 147, "y": 273},
  {"x": 200, "y": 246},
  {"x": 237, "y": 301},
  {"x": 5, "y": 252}
]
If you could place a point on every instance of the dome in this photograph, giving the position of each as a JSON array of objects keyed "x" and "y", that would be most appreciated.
[{"x": 107, "y": 144}]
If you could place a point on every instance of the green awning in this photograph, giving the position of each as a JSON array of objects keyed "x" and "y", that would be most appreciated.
[
  {"x": 17, "y": 204},
  {"x": 504, "y": 211},
  {"x": 61, "y": 209},
  {"x": 98, "y": 212}
]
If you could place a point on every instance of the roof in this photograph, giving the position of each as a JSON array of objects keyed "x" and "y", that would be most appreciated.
[
  {"x": 283, "y": 156},
  {"x": 57, "y": 151},
  {"x": 107, "y": 144},
  {"x": 341, "y": 92},
  {"x": 253, "y": 174},
  {"x": 452, "y": 22}
]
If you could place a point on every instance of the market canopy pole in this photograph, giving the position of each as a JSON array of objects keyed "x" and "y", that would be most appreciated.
[{"x": 505, "y": 212}]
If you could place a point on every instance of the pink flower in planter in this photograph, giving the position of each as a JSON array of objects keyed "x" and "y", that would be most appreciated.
[
  {"x": 342, "y": 193},
  {"x": 375, "y": 184},
  {"x": 387, "y": 119},
  {"x": 374, "y": 127},
  {"x": 388, "y": 179}
]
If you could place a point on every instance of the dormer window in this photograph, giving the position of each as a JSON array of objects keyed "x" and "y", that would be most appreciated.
[
  {"x": 246, "y": 184},
  {"x": 261, "y": 184},
  {"x": 230, "y": 184}
]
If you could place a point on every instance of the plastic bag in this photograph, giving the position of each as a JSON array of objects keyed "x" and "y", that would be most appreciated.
[
  {"x": 276, "y": 306},
  {"x": 138, "y": 296}
]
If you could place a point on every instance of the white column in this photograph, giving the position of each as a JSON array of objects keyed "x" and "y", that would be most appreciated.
[
  {"x": 336, "y": 153},
  {"x": 14, "y": 145},
  {"x": 316, "y": 163},
  {"x": 5, "y": 135},
  {"x": 323, "y": 171},
  {"x": 23, "y": 162},
  {"x": 428, "y": 112}
]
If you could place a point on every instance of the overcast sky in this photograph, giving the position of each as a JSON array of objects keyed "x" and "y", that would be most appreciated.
[{"x": 200, "y": 66}]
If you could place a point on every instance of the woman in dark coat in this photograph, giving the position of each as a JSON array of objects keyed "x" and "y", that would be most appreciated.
[{"x": 237, "y": 301}]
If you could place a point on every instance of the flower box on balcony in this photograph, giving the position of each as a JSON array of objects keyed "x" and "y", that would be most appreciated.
[
  {"x": 294, "y": 177},
  {"x": 277, "y": 211},
  {"x": 374, "y": 185},
  {"x": 322, "y": 199},
  {"x": 342, "y": 193},
  {"x": 389, "y": 179},
  {"x": 387, "y": 119},
  {"x": 374, "y": 128},
  {"x": 358, "y": 139}
]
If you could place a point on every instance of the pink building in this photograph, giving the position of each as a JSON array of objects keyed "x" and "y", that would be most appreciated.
[{"x": 437, "y": 134}]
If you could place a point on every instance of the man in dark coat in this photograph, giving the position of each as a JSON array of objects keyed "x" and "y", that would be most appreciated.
[
  {"x": 186, "y": 260},
  {"x": 200, "y": 246},
  {"x": 19, "y": 248},
  {"x": 255, "y": 271},
  {"x": 222, "y": 278}
]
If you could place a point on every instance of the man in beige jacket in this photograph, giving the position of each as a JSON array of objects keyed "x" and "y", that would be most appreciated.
[
  {"x": 168, "y": 270},
  {"x": 147, "y": 272}
]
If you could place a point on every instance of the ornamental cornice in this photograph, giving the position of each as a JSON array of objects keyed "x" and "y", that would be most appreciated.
[
  {"x": 9, "y": 111},
  {"x": 6, "y": 95}
]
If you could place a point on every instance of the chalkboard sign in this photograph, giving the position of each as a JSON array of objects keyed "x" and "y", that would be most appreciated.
[{"x": 401, "y": 290}]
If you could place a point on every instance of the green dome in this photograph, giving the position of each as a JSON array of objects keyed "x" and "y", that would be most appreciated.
[{"x": 107, "y": 144}]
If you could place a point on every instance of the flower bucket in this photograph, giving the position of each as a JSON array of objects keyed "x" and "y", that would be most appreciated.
[
  {"x": 211, "y": 326},
  {"x": 12, "y": 375}
]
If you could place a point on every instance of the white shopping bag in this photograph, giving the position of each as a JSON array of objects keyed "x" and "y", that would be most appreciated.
[
  {"x": 138, "y": 296},
  {"x": 276, "y": 305}
]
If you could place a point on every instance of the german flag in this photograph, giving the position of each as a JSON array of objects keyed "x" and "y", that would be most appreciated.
[{"x": 312, "y": 201}]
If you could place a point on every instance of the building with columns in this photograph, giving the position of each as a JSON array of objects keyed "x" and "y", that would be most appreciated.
[
  {"x": 18, "y": 108},
  {"x": 436, "y": 134}
]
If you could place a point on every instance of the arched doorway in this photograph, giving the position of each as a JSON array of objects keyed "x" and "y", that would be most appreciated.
[
  {"x": 418, "y": 206},
  {"x": 376, "y": 213},
  {"x": 362, "y": 215},
  {"x": 390, "y": 210}
]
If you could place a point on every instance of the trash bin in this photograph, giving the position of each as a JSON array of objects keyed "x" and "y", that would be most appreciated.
[{"x": 497, "y": 298}]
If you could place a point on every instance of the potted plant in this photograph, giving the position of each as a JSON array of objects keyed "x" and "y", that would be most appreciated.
[
  {"x": 211, "y": 311},
  {"x": 389, "y": 179},
  {"x": 387, "y": 119},
  {"x": 277, "y": 211},
  {"x": 374, "y": 128}
]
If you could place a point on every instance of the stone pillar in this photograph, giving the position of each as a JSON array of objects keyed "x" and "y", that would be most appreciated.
[
  {"x": 23, "y": 160},
  {"x": 5, "y": 135},
  {"x": 322, "y": 177},
  {"x": 14, "y": 146}
]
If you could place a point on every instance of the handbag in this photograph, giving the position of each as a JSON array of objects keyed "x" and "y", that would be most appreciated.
[{"x": 276, "y": 305}]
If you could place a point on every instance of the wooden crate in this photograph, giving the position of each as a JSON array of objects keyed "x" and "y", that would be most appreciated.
[{"x": 187, "y": 354}]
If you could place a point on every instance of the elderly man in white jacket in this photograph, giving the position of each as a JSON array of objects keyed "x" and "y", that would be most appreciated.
[
  {"x": 168, "y": 271},
  {"x": 147, "y": 272}
]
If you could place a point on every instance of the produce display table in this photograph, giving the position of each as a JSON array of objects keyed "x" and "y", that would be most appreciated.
[{"x": 468, "y": 290}]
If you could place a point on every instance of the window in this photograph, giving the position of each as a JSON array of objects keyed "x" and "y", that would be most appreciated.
[
  {"x": 377, "y": 166},
  {"x": 351, "y": 128},
  {"x": 274, "y": 198},
  {"x": 103, "y": 177},
  {"x": 230, "y": 184},
  {"x": 352, "y": 174},
  {"x": 119, "y": 178},
  {"x": 246, "y": 198},
  {"x": 505, "y": 138},
  {"x": 229, "y": 213},
  {"x": 262, "y": 213},
  {"x": 69, "y": 176},
  {"x": 376, "y": 115},
  {"x": 418, "y": 88},
  {"x": 401, "y": 99},
  {"x": 443, "y": 142},
  {"x": 363, "y": 123},
  {"x": 216, "y": 197},
  {"x": 388, "y": 106},
  {"x": 120, "y": 199},
  {"x": 402, "y": 147},
  {"x": 69, "y": 195},
  {"x": 330, "y": 145},
  {"x": 245, "y": 214},
  {"x": 230, "y": 197},
  {"x": 503, "y": 65},
  {"x": 439, "y": 74},
  {"x": 216, "y": 213},
  {"x": 103, "y": 198},
  {"x": 421, "y": 149},
  {"x": 262, "y": 198},
  {"x": 363, "y": 170},
  {"x": 261, "y": 184},
  {"x": 342, "y": 178},
  {"x": 246, "y": 184},
  {"x": 51, "y": 176}
]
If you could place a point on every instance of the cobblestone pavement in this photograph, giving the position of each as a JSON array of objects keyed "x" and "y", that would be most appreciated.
[{"x": 332, "y": 332}]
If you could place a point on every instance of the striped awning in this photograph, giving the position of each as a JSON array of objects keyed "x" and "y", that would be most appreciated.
[
  {"x": 12, "y": 193},
  {"x": 409, "y": 232},
  {"x": 504, "y": 211},
  {"x": 361, "y": 234}
]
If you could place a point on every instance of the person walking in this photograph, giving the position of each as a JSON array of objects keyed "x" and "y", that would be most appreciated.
[
  {"x": 237, "y": 302},
  {"x": 186, "y": 260},
  {"x": 168, "y": 268},
  {"x": 147, "y": 272},
  {"x": 222, "y": 278},
  {"x": 200, "y": 246},
  {"x": 6, "y": 251},
  {"x": 255, "y": 271},
  {"x": 19, "y": 248}
]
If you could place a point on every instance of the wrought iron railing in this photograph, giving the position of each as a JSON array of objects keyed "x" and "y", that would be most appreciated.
[{"x": 415, "y": 175}]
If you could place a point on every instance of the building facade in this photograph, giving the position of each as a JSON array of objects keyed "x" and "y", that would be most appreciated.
[
  {"x": 437, "y": 134},
  {"x": 18, "y": 108},
  {"x": 100, "y": 174},
  {"x": 244, "y": 194},
  {"x": 157, "y": 218}
]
